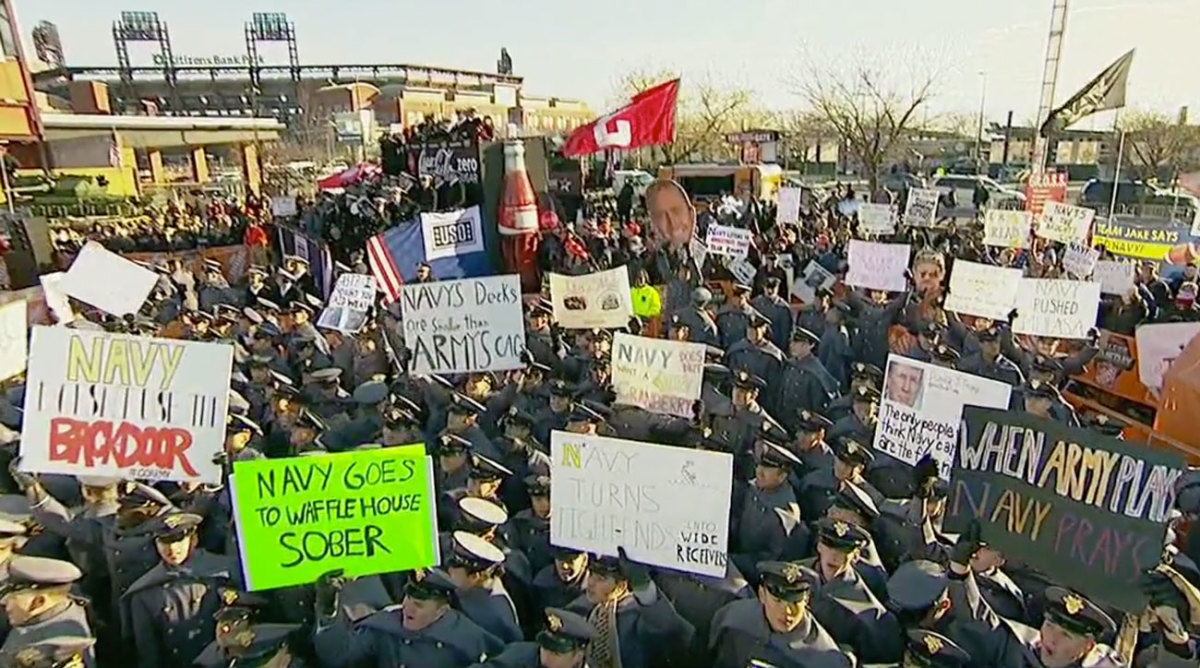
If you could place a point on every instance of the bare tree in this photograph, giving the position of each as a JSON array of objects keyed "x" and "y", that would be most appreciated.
[
  {"x": 1156, "y": 146},
  {"x": 871, "y": 112}
]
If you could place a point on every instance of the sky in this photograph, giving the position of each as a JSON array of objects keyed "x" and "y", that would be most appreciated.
[{"x": 582, "y": 51}]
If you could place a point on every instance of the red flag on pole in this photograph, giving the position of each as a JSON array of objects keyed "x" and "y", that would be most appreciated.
[{"x": 648, "y": 120}]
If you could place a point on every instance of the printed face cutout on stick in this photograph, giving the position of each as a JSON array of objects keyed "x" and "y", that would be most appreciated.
[{"x": 671, "y": 212}]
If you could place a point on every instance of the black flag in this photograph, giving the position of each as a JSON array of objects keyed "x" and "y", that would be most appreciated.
[{"x": 1106, "y": 91}]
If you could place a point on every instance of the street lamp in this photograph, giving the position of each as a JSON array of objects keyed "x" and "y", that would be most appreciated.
[{"x": 979, "y": 160}]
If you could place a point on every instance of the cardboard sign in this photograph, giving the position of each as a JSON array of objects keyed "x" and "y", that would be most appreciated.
[
  {"x": 789, "y": 205},
  {"x": 876, "y": 218},
  {"x": 283, "y": 206},
  {"x": 697, "y": 251},
  {"x": 984, "y": 290},
  {"x": 1065, "y": 223},
  {"x": 877, "y": 266},
  {"x": 57, "y": 301},
  {"x": 726, "y": 240},
  {"x": 14, "y": 339},
  {"x": 921, "y": 407},
  {"x": 593, "y": 300},
  {"x": 658, "y": 375},
  {"x": 365, "y": 512},
  {"x": 1060, "y": 308},
  {"x": 813, "y": 278},
  {"x": 472, "y": 324},
  {"x": 107, "y": 281},
  {"x": 921, "y": 208},
  {"x": 1006, "y": 229},
  {"x": 104, "y": 404},
  {"x": 666, "y": 506},
  {"x": 1114, "y": 277},
  {"x": 1088, "y": 510},
  {"x": 452, "y": 233},
  {"x": 1079, "y": 261},
  {"x": 743, "y": 271},
  {"x": 347, "y": 309},
  {"x": 1158, "y": 345}
]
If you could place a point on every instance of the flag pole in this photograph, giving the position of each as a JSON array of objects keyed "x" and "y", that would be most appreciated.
[{"x": 1112, "y": 205}]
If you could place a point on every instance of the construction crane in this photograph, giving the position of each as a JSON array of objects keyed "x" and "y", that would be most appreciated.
[{"x": 1058, "y": 27}]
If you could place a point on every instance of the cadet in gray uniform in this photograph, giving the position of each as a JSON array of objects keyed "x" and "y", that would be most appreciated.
[
  {"x": 776, "y": 624},
  {"x": 766, "y": 516},
  {"x": 756, "y": 353},
  {"x": 853, "y": 505},
  {"x": 38, "y": 604},
  {"x": 562, "y": 643},
  {"x": 700, "y": 325},
  {"x": 843, "y": 603},
  {"x": 804, "y": 384},
  {"x": 56, "y": 652},
  {"x": 818, "y": 488},
  {"x": 171, "y": 608},
  {"x": 734, "y": 317},
  {"x": 472, "y": 564},
  {"x": 242, "y": 644},
  {"x": 776, "y": 309},
  {"x": 422, "y": 632}
]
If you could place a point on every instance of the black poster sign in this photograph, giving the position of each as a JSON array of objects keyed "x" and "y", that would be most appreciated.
[
  {"x": 445, "y": 160},
  {"x": 1088, "y": 510}
]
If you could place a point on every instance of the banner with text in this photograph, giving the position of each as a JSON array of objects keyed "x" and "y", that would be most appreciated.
[
  {"x": 1065, "y": 223},
  {"x": 452, "y": 233},
  {"x": 1088, "y": 510},
  {"x": 348, "y": 305},
  {"x": 876, "y": 218},
  {"x": 666, "y": 506},
  {"x": 472, "y": 324},
  {"x": 1060, "y": 308},
  {"x": 921, "y": 407},
  {"x": 1007, "y": 229},
  {"x": 726, "y": 240},
  {"x": 1114, "y": 276},
  {"x": 105, "y": 404},
  {"x": 364, "y": 512},
  {"x": 813, "y": 278},
  {"x": 657, "y": 375},
  {"x": 601, "y": 299},
  {"x": 921, "y": 208},
  {"x": 877, "y": 266},
  {"x": 982, "y": 289},
  {"x": 1080, "y": 261},
  {"x": 789, "y": 205}
]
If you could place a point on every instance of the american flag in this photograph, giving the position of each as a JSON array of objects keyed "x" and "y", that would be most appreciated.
[
  {"x": 398, "y": 251},
  {"x": 382, "y": 250}
]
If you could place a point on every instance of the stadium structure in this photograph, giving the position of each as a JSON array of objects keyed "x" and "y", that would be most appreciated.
[{"x": 243, "y": 85}]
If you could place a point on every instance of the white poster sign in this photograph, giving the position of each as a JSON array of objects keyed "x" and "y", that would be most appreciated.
[
  {"x": 1079, "y": 261},
  {"x": 107, "y": 281},
  {"x": 697, "y": 250},
  {"x": 14, "y": 338},
  {"x": 876, "y": 218},
  {"x": 1007, "y": 229},
  {"x": 472, "y": 324},
  {"x": 789, "y": 205},
  {"x": 56, "y": 300},
  {"x": 921, "y": 208},
  {"x": 104, "y": 404},
  {"x": 743, "y": 271},
  {"x": 726, "y": 240},
  {"x": 983, "y": 289},
  {"x": 921, "y": 408},
  {"x": 813, "y": 278},
  {"x": 283, "y": 206},
  {"x": 452, "y": 233},
  {"x": 347, "y": 309},
  {"x": 1065, "y": 223},
  {"x": 666, "y": 506},
  {"x": 877, "y": 266},
  {"x": 1115, "y": 277},
  {"x": 656, "y": 374},
  {"x": 1061, "y": 308},
  {"x": 601, "y": 299},
  {"x": 1157, "y": 347}
]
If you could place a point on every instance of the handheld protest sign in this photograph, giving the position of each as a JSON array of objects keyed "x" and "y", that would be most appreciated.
[
  {"x": 671, "y": 212},
  {"x": 1088, "y": 510},
  {"x": 365, "y": 512}
]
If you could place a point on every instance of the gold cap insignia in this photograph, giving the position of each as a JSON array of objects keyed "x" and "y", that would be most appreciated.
[
  {"x": 29, "y": 656},
  {"x": 76, "y": 661},
  {"x": 173, "y": 521},
  {"x": 791, "y": 573},
  {"x": 840, "y": 528},
  {"x": 229, "y": 596},
  {"x": 419, "y": 574},
  {"x": 1073, "y": 604},
  {"x": 933, "y": 644},
  {"x": 554, "y": 623}
]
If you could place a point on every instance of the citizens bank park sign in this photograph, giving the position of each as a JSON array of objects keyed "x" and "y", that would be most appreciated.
[{"x": 215, "y": 60}]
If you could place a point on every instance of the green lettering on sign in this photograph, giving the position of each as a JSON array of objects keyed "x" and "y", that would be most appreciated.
[{"x": 366, "y": 512}]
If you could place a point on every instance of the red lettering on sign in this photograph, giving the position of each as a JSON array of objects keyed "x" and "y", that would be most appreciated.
[{"x": 126, "y": 445}]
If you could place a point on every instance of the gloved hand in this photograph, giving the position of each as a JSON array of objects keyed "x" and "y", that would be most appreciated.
[
  {"x": 1012, "y": 315},
  {"x": 968, "y": 544},
  {"x": 637, "y": 574},
  {"x": 23, "y": 479},
  {"x": 925, "y": 474},
  {"x": 328, "y": 589}
]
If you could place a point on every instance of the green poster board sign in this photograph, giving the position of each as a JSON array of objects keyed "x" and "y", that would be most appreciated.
[{"x": 365, "y": 512}]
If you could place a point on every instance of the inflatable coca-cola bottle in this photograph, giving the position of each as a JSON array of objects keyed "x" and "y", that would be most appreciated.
[{"x": 518, "y": 220}]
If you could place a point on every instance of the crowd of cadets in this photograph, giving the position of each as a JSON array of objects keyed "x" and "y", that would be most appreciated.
[{"x": 835, "y": 557}]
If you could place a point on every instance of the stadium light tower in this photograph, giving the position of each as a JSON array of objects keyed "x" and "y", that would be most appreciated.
[
  {"x": 1058, "y": 28},
  {"x": 271, "y": 27},
  {"x": 144, "y": 27}
]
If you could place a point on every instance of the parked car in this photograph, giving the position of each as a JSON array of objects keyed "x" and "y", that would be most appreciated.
[
  {"x": 964, "y": 186},
  {"x": 1098, "y": 194}
]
